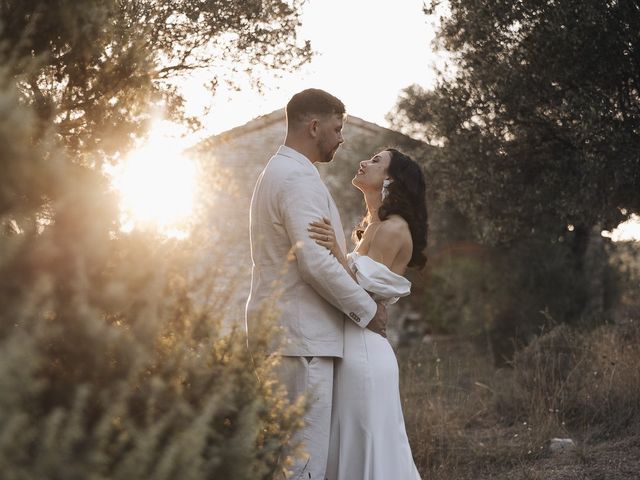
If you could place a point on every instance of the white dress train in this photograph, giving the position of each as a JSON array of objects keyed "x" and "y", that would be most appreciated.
[{"x": 368, "y": 439}]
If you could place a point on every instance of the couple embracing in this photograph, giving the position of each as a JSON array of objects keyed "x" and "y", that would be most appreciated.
[{"x": 332, "y": 305}]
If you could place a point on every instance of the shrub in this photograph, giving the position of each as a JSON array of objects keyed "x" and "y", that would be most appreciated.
[
  {"x": 583, "y": 379},
  {"x": 115, "y": 360}
]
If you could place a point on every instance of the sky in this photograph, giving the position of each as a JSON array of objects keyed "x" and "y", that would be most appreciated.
[{"x": 367, "y": 51}]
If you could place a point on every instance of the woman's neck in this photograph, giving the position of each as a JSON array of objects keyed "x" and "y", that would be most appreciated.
[{"x": 373, "y": 200}]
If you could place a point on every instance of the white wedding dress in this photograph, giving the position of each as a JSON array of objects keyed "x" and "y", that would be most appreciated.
[{"x": 368, "y": 437}]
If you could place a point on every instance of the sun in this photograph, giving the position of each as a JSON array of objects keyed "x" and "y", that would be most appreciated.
[{"x": 156, "y": 184}]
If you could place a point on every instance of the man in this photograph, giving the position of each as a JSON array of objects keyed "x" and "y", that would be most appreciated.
[{"x": 313, "y": 291}]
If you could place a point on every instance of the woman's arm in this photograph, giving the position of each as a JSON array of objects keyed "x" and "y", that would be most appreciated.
[{"x": 323, "y": 234}]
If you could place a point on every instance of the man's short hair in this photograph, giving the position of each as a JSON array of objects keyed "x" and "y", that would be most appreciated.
[{"x": 312, "y": 101}]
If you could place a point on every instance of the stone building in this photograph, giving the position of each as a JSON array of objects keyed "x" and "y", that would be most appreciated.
[{"x": 234, "y": 159}]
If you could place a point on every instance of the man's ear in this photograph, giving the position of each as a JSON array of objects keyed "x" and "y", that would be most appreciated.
[{"x": 314, "y": 127}]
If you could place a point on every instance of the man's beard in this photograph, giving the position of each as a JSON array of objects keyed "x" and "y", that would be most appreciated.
[{"x": 328, "y": 157}]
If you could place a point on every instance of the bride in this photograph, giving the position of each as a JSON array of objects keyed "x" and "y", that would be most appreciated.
[{"x": 368, "y": 438}]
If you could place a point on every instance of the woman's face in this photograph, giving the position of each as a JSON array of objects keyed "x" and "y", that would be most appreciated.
[{"x": 372, "y": 172}]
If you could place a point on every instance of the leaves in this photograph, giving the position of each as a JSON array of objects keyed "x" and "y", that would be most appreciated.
[
  {"x": 541, "y": 119},
  {"x": 101, "y": 66},
  {"x": 116, "y": 357}
]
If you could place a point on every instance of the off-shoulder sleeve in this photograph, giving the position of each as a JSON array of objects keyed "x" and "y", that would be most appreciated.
[{"x": 377, "y": 279}]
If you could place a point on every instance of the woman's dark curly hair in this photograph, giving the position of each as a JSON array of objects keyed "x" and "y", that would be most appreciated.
[{"x": 406, "y": 197}]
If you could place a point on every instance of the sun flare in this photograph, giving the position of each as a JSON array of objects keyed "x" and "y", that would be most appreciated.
[{"x": 156, "y": 185}]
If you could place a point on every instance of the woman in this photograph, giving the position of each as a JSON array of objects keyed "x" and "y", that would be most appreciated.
[{"x": 368, "y": 437}]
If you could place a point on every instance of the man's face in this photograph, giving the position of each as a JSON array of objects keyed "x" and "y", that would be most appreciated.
[{"x": 329, "y": 136}]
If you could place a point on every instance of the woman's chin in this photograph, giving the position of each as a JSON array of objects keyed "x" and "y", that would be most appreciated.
[{"x": 358, "y": 183}]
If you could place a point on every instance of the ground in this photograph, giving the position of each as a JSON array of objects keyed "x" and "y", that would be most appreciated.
[
  {"x": 617, "y": 459},
  {"x": 462, "y": 426}
]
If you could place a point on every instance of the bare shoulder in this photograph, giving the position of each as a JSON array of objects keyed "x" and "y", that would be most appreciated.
[
  {"x": 392, "y": 244},
  {"x": 393, "y": 233},
  {"x": 395, "y": 226}
]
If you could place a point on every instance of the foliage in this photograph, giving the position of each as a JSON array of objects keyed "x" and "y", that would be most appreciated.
[
  {"x": 116, "y": 357},
  {"x": 95, "y": 69},
  {"x": 538, "y": 115},
  {"x": 499, "y": 295},
  {"x": 134, "y": 379},
  {"x": 468, "y": 420},
  {"x": 583, "y": 379}
]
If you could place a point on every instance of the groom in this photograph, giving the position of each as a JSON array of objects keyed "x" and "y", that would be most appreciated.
[{"x": 314, "y": 293}]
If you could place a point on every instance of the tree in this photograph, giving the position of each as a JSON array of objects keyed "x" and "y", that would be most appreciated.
[
  {"x": 539, "y": 116},
  {"x": 538, "y": 119},
  {"x": 93, "y": 71},
  {"x": 113, "y": 360}
]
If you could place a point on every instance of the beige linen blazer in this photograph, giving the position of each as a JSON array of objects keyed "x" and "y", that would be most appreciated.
[{"x": 310, "y": 290}]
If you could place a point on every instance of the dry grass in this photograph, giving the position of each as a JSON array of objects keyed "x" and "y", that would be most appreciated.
[{"x": 468, "y": 420}]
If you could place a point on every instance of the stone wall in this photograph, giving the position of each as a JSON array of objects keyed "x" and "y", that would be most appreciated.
[{"x": 239, "y": 155}]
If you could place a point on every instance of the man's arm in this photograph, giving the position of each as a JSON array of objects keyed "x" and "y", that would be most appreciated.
[{"x": 303, "y": 200}]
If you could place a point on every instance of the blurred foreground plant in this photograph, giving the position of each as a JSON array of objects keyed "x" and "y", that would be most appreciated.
[
  {"x": 132, "y": 378},
  {"x": 117, "y": 360}
]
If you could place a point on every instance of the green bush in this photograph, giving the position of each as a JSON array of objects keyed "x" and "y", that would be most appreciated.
[
  {"x": 117, "y": 360},
  {"x": 503, "y": 295}
]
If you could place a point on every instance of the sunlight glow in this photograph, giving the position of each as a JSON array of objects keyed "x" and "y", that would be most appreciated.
[
  {"x": 156, "y": 185},
  {"x": 626, "y": 231}
]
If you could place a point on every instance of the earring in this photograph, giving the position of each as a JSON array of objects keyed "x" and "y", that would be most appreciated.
[{"x": 385, "y": 185}]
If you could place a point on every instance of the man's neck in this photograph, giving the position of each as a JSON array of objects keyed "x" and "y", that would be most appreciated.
[{"x": 301, "y": 147}]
